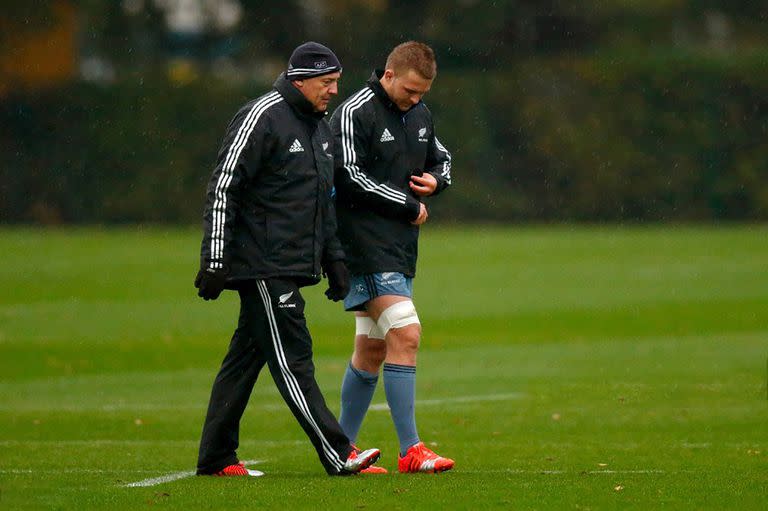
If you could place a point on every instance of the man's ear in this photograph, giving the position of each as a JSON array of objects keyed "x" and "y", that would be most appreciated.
[
  {"x": 389, "y": 74},
  {"x": 298, "y": 83}
]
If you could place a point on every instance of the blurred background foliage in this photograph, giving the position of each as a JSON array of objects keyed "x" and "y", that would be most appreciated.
[{"x": 628, "y": 110}]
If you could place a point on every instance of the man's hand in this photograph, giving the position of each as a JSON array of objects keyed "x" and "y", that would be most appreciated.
[
  {"x": 210, "y": 283},
  {"x": 338, "y": 280},
  {"x": 423, "y": 183},
  {"x": 422, "y": 215}
]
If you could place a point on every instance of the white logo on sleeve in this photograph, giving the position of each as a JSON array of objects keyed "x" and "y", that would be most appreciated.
[
  {"x": 422, "y": 135},
  {"x": 386, "y": 136},
  {"x": 296, "y": 147}
]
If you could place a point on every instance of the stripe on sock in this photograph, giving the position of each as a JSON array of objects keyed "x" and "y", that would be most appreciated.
[{"x": 397, "y": 368}]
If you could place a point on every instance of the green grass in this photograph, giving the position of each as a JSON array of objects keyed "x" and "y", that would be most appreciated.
[{"x": 569, "y": 368}]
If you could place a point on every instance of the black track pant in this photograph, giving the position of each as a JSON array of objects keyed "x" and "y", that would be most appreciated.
[{"x": 272, "y": 330}]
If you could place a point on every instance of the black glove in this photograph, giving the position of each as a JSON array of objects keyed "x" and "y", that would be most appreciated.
[
  {"x": 338, "y": 280},
  {"x": 210, "y": 283}
]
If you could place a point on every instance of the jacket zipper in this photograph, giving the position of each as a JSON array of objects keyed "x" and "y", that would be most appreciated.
[{"x": 317, "y": 206}]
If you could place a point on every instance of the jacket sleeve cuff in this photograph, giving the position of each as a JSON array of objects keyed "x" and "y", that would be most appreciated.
[
  {"x": 412, "y": 209},
  {"x": 215, "y": 264},
  {"x": 442, "y": 184}
]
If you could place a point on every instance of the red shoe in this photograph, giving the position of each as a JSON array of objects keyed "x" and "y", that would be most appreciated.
[
  {"x": 373, "y": 469},
  {"x": 358, "y": 460},
  {"x": 420, "y": 459},
  {"x": 233, "y": 470},
  {"x": 238, "y": 470}
]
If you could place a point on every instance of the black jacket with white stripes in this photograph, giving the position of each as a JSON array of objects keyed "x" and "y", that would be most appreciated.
[
  {"x": 377, "y": 149},
  {"x": 269, "y": 210}
]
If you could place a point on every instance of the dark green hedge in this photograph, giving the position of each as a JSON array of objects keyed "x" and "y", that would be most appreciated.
[
  {"x": 137, "y": 151},
  {"x": 672, "y": 137},
  {"x": 617, "y": 136}
]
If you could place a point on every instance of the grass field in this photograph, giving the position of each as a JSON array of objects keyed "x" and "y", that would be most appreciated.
[{"x": 563, "y": 368}]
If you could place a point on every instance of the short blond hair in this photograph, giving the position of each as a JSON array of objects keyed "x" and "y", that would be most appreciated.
[{"x": 413, "y": 55}]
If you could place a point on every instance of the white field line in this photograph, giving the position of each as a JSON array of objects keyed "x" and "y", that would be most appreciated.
[
  {"x": 175, "y": 476},
  {"x": 188, "y": 473},
  {"x": 72, "y": 471},
  {"x": 139, "y": 407},
  {"x": 114, "y": 407},
  {"x": 553, "y": 472},
  {"x": 279, "y": 443},
  {"x": 154, "y": 481},
  {"x": 627, "y": 471},
  {"x": 97, "y": 442},
  {"x": 458, "y": 399},
  {"x": 561, "y": 472}
]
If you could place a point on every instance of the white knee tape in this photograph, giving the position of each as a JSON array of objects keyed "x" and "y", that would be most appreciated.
[
  {"x": 397, "y": 316},
  {"x": 364, "y": 325}
]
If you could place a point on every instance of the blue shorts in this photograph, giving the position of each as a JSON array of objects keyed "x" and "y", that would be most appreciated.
[{"x": 366, "y": 287}]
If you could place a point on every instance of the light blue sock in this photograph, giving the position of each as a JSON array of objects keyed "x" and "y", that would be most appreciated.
[
  {"x": 400, "y": 387},
  {"x": 357, "y": 390}
]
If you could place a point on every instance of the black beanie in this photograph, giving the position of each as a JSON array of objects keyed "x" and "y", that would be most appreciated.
[{"x": 311, "y": 59}]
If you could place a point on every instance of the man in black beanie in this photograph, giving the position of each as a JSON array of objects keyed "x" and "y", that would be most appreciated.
[{"x": 270, "y": 229}]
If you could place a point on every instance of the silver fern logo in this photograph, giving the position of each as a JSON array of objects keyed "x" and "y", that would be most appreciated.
[{"x": 390, "y": 278}]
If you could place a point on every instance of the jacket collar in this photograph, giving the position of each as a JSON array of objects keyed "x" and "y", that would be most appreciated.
[
  {"x": 378, "y": 89},
  {"x": 296, "y": 99}
]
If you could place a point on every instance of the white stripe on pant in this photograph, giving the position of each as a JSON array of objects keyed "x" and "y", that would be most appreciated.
[
  {"x": 290, "y": 380},
  {"x": 278, "y": 337}
]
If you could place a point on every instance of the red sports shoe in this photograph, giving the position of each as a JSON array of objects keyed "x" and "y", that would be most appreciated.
[
  {"x": 372, "y": 469},
  {"x": 238, "y": 470},
  {"x": 358, "y": 460},
  {"x": 233, "y": 470},
  {"x": 420, "y": 459}
]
